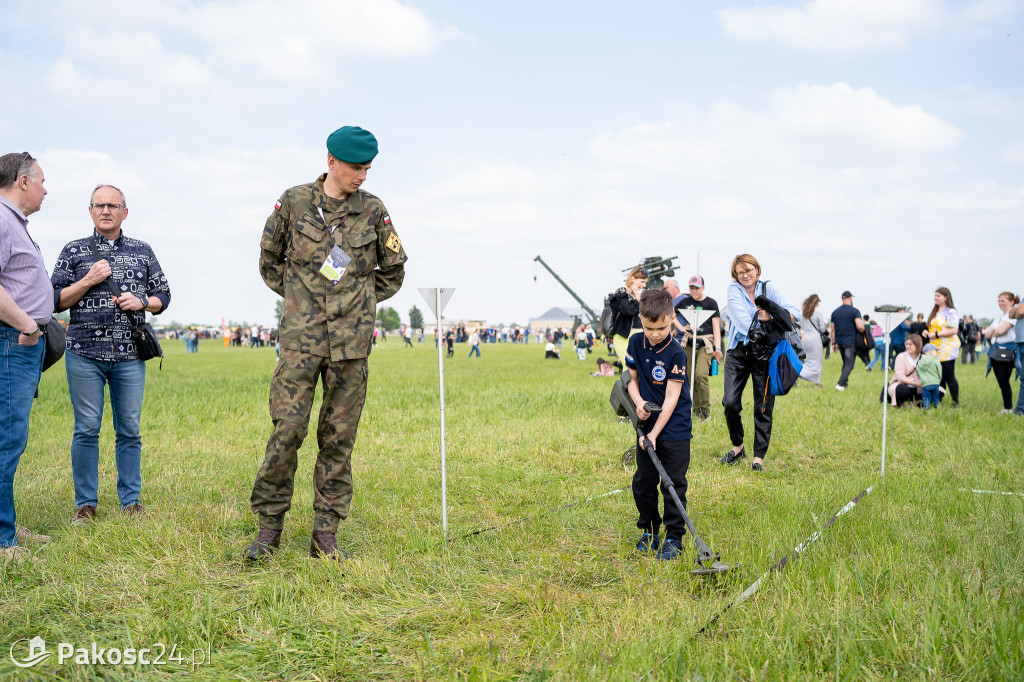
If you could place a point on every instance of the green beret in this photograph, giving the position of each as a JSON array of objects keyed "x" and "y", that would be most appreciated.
[{"x": 352, "y": 145}]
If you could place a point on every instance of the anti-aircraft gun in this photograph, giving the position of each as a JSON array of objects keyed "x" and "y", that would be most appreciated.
[{"x": 658, "y": 270}]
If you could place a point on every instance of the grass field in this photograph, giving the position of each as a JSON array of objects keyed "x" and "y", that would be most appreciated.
[{"x": 921, "y": 580}]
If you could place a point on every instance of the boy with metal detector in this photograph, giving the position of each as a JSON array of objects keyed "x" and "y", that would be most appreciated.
[{"x": 657, "y": 386}]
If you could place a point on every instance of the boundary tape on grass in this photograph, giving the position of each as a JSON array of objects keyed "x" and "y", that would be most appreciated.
[
  {"x": 784, "y": 561},
  {"x": 537, "y": 516},
  {"x": 779, "y": 565},
  {"x": 990, "y": 492}
]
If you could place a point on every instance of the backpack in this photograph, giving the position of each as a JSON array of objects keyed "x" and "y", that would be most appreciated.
[
  {"x": 606, "y": 325},
  {"x": 784, "y": 369}
]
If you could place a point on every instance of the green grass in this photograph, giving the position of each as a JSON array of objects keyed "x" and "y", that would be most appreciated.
[{"x": 920, "y": 581}]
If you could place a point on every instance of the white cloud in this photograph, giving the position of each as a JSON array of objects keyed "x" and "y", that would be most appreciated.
[
  {"x": 834, "y": 25},
  {"x": 210, "y": 48}
]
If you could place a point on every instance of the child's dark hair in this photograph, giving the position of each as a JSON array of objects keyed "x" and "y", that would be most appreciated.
[{"x": 655, "y": 304}]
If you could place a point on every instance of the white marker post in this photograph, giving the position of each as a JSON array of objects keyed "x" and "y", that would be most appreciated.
[
  {"x": 888, "y": 326},
  {"x": 438, "y": 299},
  {"x": 696, "y": 318}
]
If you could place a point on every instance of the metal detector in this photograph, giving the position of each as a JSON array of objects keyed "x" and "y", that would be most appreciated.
[{"x": 707, "y": 560}]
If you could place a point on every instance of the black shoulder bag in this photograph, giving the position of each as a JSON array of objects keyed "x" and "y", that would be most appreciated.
[{"x": 142, "y": 334}]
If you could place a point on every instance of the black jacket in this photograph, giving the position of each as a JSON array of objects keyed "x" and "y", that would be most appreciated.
[{"x": 627, "y": 311}]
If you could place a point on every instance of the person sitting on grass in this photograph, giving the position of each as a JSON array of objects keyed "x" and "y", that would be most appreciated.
[
  {"x": 929, "y": 371},
  {"x": 604, "y": 369},
  {"x": 657, "y": 373},
  {"x": 551, "y": 351}
]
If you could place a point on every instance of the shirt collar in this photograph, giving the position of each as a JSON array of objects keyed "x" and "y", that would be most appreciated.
[
  {"x": 353, "y": 204},
  {"x": 659, "y": 348},
  {"x": 17, "y": 211},
  {"x": 100, "y": 238}
]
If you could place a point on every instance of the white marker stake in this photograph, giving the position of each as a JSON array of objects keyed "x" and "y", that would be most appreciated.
[
  {"x": 437, "y": 299},
  {"x": 889, "y": 326},
  {"x": 696, "y": 318}
]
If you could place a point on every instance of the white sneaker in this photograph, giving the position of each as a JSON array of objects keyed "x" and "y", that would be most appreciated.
[
  {"x": 14, "y": 554},
  {"x": 840, "y": 388},
  {"x": 1005, "y": 411}
]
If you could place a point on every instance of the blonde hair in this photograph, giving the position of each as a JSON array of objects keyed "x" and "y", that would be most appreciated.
[{"x": 744, "y": 258}]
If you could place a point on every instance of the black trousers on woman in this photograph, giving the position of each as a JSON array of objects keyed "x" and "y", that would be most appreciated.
[
  {"x": 741, "y": 365},
  {"x": 1003, "y": 372},
  {"x": 949, "y": 381}
]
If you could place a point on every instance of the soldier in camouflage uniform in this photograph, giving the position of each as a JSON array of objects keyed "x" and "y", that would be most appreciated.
[{"x": 326, "y": 332}]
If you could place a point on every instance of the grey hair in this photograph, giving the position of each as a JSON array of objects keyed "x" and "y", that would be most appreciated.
[
  {"x": 101, "y": 186},
  {"x": 13, "y": 166}
]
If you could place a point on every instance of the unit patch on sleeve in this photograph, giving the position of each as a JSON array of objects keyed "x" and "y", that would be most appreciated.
[{"x": 393, "y": 242}]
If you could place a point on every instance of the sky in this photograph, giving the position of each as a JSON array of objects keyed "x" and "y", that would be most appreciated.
[{"x": 869, "y": 145}]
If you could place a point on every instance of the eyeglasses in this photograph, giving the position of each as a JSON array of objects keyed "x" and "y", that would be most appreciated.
[
  {"x": 749, "y": 272},
  {"x": 109, "y": 207}
]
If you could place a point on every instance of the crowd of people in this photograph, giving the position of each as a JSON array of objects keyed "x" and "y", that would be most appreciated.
[{"x": 109, "y": 280}]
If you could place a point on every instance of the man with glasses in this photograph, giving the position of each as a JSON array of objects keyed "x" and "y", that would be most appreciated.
[
  {"x": 101, "y": 350},
  {"x": 26, "y": 305}
]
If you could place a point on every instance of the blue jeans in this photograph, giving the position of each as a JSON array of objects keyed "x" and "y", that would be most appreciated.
[
  {"x": 879, "y": 352},
  {"x": 930, "y": 396},
  {"x": 474, "y": 349},
  {"x": 1020, "y": 396},
  {"x": 20, "y": 368},
  {"x": 127, "y": 380}
]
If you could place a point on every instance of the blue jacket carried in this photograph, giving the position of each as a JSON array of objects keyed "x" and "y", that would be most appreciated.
[{"x": 784, "y": 368}]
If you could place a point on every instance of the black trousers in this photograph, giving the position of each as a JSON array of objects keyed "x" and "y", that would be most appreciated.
[
  {"x": 849, "y": 354},
  {"x": 740, "y": 365},
  {"x": 949, "y": 381},
  {"x": 675, "y": 457},
  {"x": 1003, "y": 372}
]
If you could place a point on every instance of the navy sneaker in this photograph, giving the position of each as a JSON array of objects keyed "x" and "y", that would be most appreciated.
[
  {"x": 648, "y": 542},
  {"x": 670, "y": 550}
]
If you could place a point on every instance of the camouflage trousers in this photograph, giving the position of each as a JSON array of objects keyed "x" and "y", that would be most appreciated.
[{"x": 291, "y": 400}]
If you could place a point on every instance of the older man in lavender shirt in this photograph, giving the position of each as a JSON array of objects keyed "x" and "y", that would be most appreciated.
[{"x": 26, "y": 305}]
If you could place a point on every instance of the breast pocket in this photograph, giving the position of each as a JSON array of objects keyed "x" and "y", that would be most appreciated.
[
  {"x": 363, "y": 250},
  {"x": 306, "y": 240}
]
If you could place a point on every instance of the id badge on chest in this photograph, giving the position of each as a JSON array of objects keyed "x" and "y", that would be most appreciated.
[{"x": 334, "y": 267}]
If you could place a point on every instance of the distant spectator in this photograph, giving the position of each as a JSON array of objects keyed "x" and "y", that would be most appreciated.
[
  {"x": 1017, "y": 313},
  {"x": 929, "y": 371},
  {"x": 919, "y": 326},
  {"x": 581, "y": 343},
  {"x": 905, "y": 385},
  {"x": 898, "y": 339},
  {"x": 943, "y": 325},
  {"x": 878, "y": 336},
  {"x": 551, "y": 351},
  {"x": 709, "y": 344},
  {"x": 969, "y": 332},
  {"x": 1001, "y": 333},
  {"x": 843, "y": 328},
  {"x": 814, "y": 327},
  {"x": 625, "y": 302},
  {"x": 604, "y": 369},
  {"x": 474, "y": 343}
]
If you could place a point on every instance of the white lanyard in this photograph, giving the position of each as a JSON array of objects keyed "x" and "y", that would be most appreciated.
[{"x": 330, "y": 228}]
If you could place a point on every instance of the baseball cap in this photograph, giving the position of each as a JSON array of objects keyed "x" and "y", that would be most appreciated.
[
  {"x": 696, "y": 281},
  {"x": 847, "y": 294}
]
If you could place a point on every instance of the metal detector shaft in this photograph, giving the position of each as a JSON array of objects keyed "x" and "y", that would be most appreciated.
[{"x": 704, "y": 552}]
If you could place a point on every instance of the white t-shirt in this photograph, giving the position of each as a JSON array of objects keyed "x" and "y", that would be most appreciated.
[{"x": 1010, "y": 336}]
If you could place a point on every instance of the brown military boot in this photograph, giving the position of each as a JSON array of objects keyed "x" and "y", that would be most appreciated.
[
  {"x": 324, "y": 544},
  {"x": 266, "y": 543}
]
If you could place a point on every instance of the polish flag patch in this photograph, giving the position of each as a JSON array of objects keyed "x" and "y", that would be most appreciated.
[
  {"x": 387, "y": 219},
  {"x": 277, "y": 206}
]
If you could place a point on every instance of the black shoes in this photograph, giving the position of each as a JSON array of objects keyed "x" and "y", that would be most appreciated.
[
  {"x": 731, "y": 457},
  {"x": 757, "y": 467}
]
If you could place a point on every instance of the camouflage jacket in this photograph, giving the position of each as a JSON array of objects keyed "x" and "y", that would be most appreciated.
[{"x": 321, "y": 317}]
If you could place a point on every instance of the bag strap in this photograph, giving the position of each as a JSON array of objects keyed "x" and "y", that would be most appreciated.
[{"x": 110, "y": 280}]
